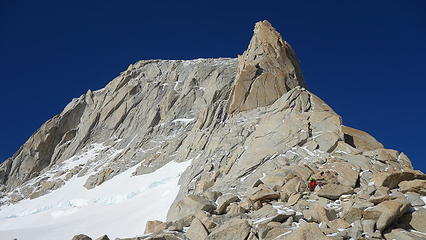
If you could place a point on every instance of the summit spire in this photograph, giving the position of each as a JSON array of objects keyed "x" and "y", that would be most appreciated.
[{"x": 266, "y": 70}]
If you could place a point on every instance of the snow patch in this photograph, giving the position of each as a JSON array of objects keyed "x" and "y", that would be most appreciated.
[{"x": 119, "y": 207}]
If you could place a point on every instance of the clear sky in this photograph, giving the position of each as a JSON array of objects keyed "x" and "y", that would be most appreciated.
[{"x": 364, "y": 58}]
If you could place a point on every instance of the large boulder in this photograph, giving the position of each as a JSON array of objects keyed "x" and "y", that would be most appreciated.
[
  {"x": 416, "y": 220},
  {"x": 387, "y": 212},
  {"x": 360, "y": 139},
  {"x": 154, "y": 226},
  {"x": 189, "y": 206},
  {"x": 307, "y": 231},
  {"x": 234, "y": 229},
  {"x": 402, "y": 234},
  {"x": 197, "y": 230},
  {"x": 262, "y": 193},
  {"x": 334, "y": 191},
  {"x": 392, "y": 179},
  {"x": 417, "y": 185},
  {"x": 224, "y": 201},
  {"x": 347, "y": 173}
]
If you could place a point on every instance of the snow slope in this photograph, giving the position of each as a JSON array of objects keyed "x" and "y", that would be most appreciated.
[{"x": 119, "y": 207}]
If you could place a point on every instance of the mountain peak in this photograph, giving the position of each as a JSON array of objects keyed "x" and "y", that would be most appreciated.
[{"x": 266, "y": 70}]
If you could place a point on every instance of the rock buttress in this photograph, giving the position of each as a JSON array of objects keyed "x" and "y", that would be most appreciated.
[{"x": 267, "y": 69}]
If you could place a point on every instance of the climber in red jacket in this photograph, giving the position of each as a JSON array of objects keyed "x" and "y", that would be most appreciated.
[{"x": 312, "y": 183}]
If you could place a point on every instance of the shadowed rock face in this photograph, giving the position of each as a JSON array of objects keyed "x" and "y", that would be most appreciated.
[
  {"x": 253, "y": 134},
  {"x": 267, "y": 69}
]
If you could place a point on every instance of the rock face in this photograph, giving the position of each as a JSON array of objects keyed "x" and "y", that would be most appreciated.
[
  {"x": 253, "y": 134},
  {"x": 267, "y": 69}
]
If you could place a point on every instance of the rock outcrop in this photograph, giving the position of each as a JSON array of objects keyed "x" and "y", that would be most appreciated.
[
  {"x": 254, "y": 135},
  {"x": 267, "y": 69}
]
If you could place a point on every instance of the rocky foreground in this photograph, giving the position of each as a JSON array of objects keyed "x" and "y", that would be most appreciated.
[{"x": 253, "y": 134}]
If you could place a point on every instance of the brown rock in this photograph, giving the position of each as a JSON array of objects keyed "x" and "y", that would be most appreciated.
[
  {"x": 333, "y": 191},
  {"x": 196, "y": 230},
  {"x": 353, "y": 215},
  {"x": 155, "y": 226},
  {"x": 360, "y": 139},
  {"x": 235, "y": 229},
  {"x": 275, "y": 233},
  {"x": 262, "y": 193},
  {"x": 347, "y": 173},
  {"x": 338, "y": 223},
  {"x": 402, "y": 234},
  {"x": 418, "y": 186},
  {"x": 416, "y": 220},
  {"x": 306, "y": 231},
  {"x": 294, "y": 185},
  {"x": 189, "y": 206},
  {"x": 392, "y": 179},
  {"x": 293, "y": 199},
  {"x": 390, "y": 211},
  {"x": 224, "y": 201},
  {"x": 267, "y": 69}
]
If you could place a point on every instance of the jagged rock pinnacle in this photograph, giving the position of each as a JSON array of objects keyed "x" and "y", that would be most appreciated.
[{"x": 267, "y": 69}]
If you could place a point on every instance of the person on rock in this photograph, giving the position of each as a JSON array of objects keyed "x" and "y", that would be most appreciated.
[{"x": 312, "y": 183}]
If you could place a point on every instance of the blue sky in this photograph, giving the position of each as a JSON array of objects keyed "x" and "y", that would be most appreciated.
[{"x": 364, "y": 58}]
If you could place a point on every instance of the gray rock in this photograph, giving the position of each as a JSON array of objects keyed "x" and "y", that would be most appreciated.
[
  {"x": 104, "y": 237},
  {"x": 414, "y": 199},
  {"x": 81, "y": 237}
]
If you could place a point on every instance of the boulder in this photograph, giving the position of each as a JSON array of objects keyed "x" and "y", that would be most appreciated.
[
  {"x": 353, "y": 215},
  {"x": 338, "y": 223},
  {"x": 154, "y": 226},
  {"x": 392, "y": 179},
  {"x": 389, "y": 211},
  {"x": 318, "y": 214},
  {"x": 416, "y": 220},
  {"x": 417, "y": 185},
  {"x": 224, "y": 201},
  {"x": 262, "y": 193},
  {"x": 104, "y": 237},
  {"x": 306, "y": 231},
  {"x": 275, "y": 233},
  {"x": 196, "y": 230},
  {"x": 402, "y": 234},
  {"x": 334, "y": 191},
  {"x": 189, "y": 206},
  {"x": 347, "y": 173},
  {"x": 294, "y": 185},
  {"x": 81, "y": 237},
  {"x": 235, "y": 229},
  {"x": 293, "y": 199},
  {"x": 414, "y": 199},
  {"x": 360, "y": 139},
  {"x": 269, "y": 213}
]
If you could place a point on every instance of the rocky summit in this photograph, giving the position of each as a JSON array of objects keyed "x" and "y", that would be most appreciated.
[{"x": 251, "y": 134}]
